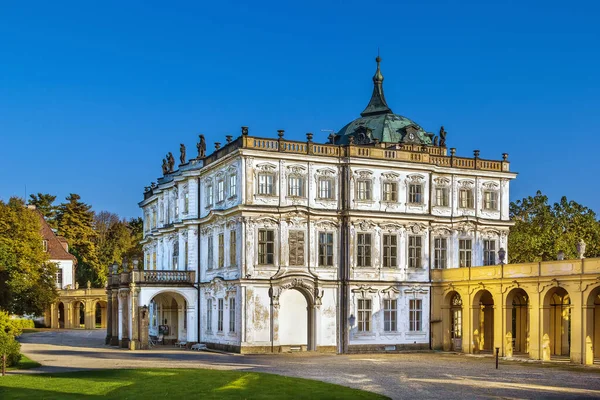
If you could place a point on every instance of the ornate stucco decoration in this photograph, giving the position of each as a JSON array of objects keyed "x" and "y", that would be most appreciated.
[
  {"x": 365, "y": 225},
  {"x": 233, "y": 222},
  {"x": 390, "y": 176},
  {"x": 325, "y": 172},
  {"x": 295, "y": 218},
  {"x": 552, "y": 283},
  {"x": 266, "y": 167},
  {"x": 512, "y": 285},
  {"x": 326, "y": 224},
  {"x": 364, "y": 291},
  {"x": 416, "y": 289},
  {"x": 479, "y": 286},
  {"x": 442, "y": 181},
  {"x": 363, "y": 174},
  {"x": 391, "y": 292},
  {"x": 266, "y": 221},
  {"x": 296, "y": 170},
  {"x": 490, "y": 185},
  {"x": 466, "y": 183},
  {"x": 465, "y": 228},
  {"x": 417, "y": 229},
  {"x": 415, "y": 178},
  {"x": 490, "y": 233},
  {"x": 449, "y": 288},
  {"x": 441, "y": 230},
  {"x": 391, "y": 227}
]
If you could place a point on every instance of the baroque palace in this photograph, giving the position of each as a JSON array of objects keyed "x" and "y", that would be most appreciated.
[{"x": 382, "y": 239}]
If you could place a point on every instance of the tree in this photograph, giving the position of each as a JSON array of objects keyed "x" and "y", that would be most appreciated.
[
  {"x": 541, "y": 230},
  {"x": 117, "y": 238},
  {"x": 26, "y": 276},
  {"x": 44, "y": 203},
  {"x": 76, "y": 223}
]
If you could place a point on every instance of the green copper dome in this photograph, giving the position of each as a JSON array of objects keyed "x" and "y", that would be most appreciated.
[{"x": 379, "y": 123}]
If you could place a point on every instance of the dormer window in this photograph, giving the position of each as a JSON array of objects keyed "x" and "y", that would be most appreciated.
[{"x": 45, "y": 245}]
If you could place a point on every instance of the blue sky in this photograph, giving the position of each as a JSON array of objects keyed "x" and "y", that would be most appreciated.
[{"x": 94, "y": 94}]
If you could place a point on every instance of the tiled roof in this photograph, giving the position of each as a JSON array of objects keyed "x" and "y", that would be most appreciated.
[{"x": 56, "y": 251}]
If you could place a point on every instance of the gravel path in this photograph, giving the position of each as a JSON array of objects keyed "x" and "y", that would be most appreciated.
[{"x": 399, "y": 376}]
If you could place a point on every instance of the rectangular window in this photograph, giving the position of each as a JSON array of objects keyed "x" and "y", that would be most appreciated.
[
  {"x": 490, "y": 200},
  {"x": 489, "y": 252},
  {"x": 45, "y": 246},
  {"x": 220, "y": 190},
  {"x": 465, "y": 198},
  {"x": 390, "y": 191},
  {"x": 465, "y": 248},
  {"x": 221, "y": 250},
  {"x": 440, "y": 252},
  {"x": 325, "y": 188},
  {"x": 148, "y": 261},
  {"x": 296, "y": 243},
  {"x": 232, "y": 185},
  {"x": 232, "y": 248},
  {"x": 415, "y": 315},
  {"x": 266, "y": 246},
  {"x": 364, "y": 189},
  {"x": 186, "y": 203},
  {"x": 220, "y": 315},
  {"x": 265, "y": 184},
  {"x": 363, "y": 253},
  {"x": 59, "y": 278},
  {"x": 415, "y": 193},
  {"x": 390, "y": 313},
  {"x": 185, "y": 255},
  {"x": 210, "y": 253},
  {"x": 325, "y": 249},
  {"x": 364, "y": 315},
  {"x": 414, "y": 251},
  {"x": 390, "y": 251},
  {"x": 232, "y": 315},
  {"x": 209, "y": 195},
  {"x": 295, "y": 186},
  {"x": 153, "y": 218},
  {"x": 209, "y": 310},
  {"x": 442, "y": 197},
  {"x": 154, "y": 259}
]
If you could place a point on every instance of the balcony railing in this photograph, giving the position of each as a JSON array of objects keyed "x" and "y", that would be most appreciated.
[{"x": 164, "y": 276}]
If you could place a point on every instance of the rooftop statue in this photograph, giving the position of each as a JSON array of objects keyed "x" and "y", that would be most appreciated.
[
  {"x": 443, "y": 134},
  {"x": 182, "y": 151},
  {"x": 165, "y": 167},
  {"x": 171, "y": 161},
  {"x": 436, "y": 141},
  {"x": 581, "y": 248},
  {"x": 201, "y": 146}
]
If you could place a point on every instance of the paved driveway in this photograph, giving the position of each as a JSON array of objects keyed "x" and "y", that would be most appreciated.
[{"x": 409, "y": 375}]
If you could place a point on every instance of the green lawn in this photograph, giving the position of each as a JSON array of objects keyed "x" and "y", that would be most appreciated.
[
  {"x": 170, "y": 383},
  {"x": 25, "y": 363}
]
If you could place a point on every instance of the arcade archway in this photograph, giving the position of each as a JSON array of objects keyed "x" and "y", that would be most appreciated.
[
  {"x": 517, "y": 319},
  {"x": 294, "y": 321},
  {"x": 483, "y": 321},
  {"x": 557, "y": 321},
  {"x": 167, "y": 313}
]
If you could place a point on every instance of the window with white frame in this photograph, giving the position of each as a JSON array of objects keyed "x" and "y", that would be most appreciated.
[
  {"x": 363, "y": 250},
  {"x": 232, "y": 185},
  {"x": 295, "y": 186},
  {"x": 209, "y": 264},
  {"x": 154, "y": 259},
  {"x": 415, "y": 193},
  {"x": 465, "y": 249},
  {"x": 390, "y": 314},
  {"x": 220, "y": 190},
  {"x": 442, "y": 196},
  {"x": 414, "y": 251},
  {"x": 45, "y": 246},
  {"x": 186, "y": 203},
  {"x": 266, "y": 184},
  {"x": 415, "y": 310},
  {"x": 209, "y": 196},
  {"x": 363, "y": 189},
  {"x": 325, "y": 188},
  {"x": 390, "y": 250},
  {"x": 440, "y": 252},
  {"x": 232, "y": 315},
  {"x": 364, "y": 315},
  {"x": 209, "y": 311},
  {"x": 266, "y": 246},
  {"x": 185, "y": 254},
  {"x": 489, "y": 252},
  {"x": 59, "y": 278},
  {"x": 154, "y": 218},
  {"x": 175, "y": 256},
  {"x": 296, "y": 246},
  {"x": 390, "y": 192},
  {"x": 465, "y": 198},
  {"x": 232, "y": 248},
  {"x": 490, "y": 200},
  {"x": 221, "y": 255},
  {"x": 220, "y": 315},
  {"x": 325, "y": 249}
]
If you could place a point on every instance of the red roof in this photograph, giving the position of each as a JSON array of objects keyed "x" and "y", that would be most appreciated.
[{"x": 56, "y": 251}]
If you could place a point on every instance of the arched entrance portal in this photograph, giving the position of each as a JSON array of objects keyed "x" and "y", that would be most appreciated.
[
  {"x": 517, "y": 319},
  {"x": 167, "y": 314},
  {"x": 483, "y": 321},
  {"x": 78, "y": 315},
  {"x": 557, "y": 314},
  {"x": 294, "y": 321},
  {"x": 456, "y": 310},
  {"x": 61, "y": 315},
  {"x": 592, "y": 336},
  {"x": 100, "y": 315}
]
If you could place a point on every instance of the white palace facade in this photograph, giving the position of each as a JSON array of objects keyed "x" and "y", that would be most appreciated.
[{"x": 270, "y": 245}]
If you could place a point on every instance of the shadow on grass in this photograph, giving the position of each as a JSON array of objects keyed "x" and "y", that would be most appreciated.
[{"x": 157, "y": 383}]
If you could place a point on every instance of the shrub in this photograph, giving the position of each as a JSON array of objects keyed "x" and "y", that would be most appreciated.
[
  {"x": 14, "y": 327},
  {"x": 10, "y": 347}
]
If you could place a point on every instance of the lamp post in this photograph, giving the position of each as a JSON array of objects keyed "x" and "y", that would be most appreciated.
[{"x": 501, "y": 255}]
